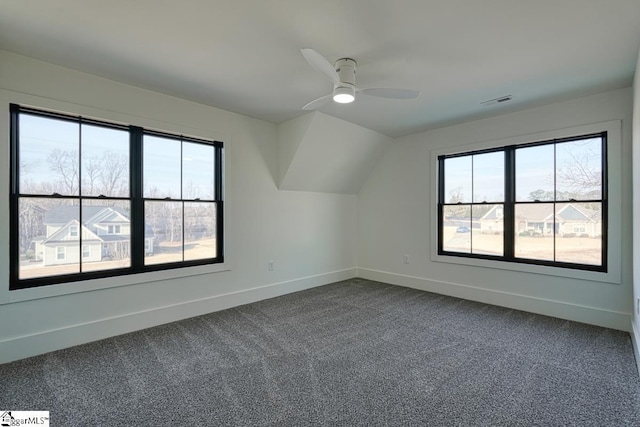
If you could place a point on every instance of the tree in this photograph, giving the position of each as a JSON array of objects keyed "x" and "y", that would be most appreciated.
[
  {"x": 114, "y": 168},
  {"x": 106, "y": 174},
  {"x": 90, "y": 173},
  {"x": 30, "y": 222},
  {"x": 541, "y": 195},
  {"x": 581, "y": 173},
  {"x": 458, "y": 211},
  {"x": 64, "y": 164}
]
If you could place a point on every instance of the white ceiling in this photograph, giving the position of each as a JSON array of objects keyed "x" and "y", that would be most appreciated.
[{"x": 244, "y": 55}]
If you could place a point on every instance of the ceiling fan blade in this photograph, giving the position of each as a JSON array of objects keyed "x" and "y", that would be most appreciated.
[
  {"x": 320, "y": 63},
  {"x": 317, "y": 103},
  {"x": 390, "y": 93}
]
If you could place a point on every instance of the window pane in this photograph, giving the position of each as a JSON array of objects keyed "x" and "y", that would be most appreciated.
[
  {"x": 162, "y": 167},
  {"x": 488, "y": 230},
  {"x": 488, "y": 177},
  {"x": 106, "y": 249},
  {"x": 579, "y": 238},
  {"x": 199, "y": 230},
  {"x": 457, "y": 180},
  {"x": 105, "y": 161},
  {"x": 163, "y": 226},
  {"x": 534, "y": 225},
  {"x": 47, "y": 246},
  {"x": 579, "y": 169},
  {"x": 48, "y": 156},
  {"x": 456, "y": 230},
  {"x": 197, "y": 171},
  {"x": 534, "y": 173}
]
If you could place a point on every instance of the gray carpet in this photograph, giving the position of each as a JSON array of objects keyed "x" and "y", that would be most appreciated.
[{"x": 350, "y": 353}]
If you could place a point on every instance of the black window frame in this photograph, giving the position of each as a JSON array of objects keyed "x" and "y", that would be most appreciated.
[
  {"x": 136, "y": 200},
  {"x": 510, "y": 203}
]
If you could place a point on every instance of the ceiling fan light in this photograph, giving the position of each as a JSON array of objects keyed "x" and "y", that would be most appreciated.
[{"x": 344, "y": 94}]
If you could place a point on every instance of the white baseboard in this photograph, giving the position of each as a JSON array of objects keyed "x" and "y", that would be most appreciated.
[
  {"x": 578, "y": 313},
  {"x": 47, "y": 341},
  {"x": 635, "y": 341}
]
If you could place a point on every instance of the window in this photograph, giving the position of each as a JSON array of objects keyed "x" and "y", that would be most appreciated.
[
  {"x": 147, "y": 200},
  {"x": 538, "y": 203},
  {"x": 179, "y": 198}
]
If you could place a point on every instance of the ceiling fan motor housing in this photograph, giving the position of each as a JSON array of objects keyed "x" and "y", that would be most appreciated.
[{"x": 346, "y": 69}]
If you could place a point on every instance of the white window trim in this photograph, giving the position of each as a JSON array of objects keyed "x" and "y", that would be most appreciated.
[
  {"x": 19, "y": 295},
  {"x": 63, "y": 253},
  {"x": 614, "y": 224}
]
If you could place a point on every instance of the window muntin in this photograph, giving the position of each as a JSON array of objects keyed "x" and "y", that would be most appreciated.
[
  {"x": 162, "y": 167},
  {"x": 488, "y": 177},
  {"x": 198, "y": 177},
  {"x": 458, "y": 180},
  {"x": 75, "y": 214},
  {"x": 552, "y": 189},
  {"x": 474, "y": 190},
  {"x": 579, "y": 169},
  {"x": 181, "y": 215},
  {"x": 199, "y": 230},
  {"x": 55, "y": 169},
  {"x": 534, "y": 173},
  {"x": 165, "y": 221},
  {"x": 105, "y": 161},
  {"x": 104, "y": 238}
]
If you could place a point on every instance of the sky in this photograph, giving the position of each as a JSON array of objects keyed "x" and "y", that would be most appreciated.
[
  {"x": 535, "y": 168},
  {"x": 163, "y": 161}
]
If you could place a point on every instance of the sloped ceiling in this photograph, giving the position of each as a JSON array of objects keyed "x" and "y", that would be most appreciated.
[
  {"x": 244, "y": 56},
  {"x": 317, "y": 152}
]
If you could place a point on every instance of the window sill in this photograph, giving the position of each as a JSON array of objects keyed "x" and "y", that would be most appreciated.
[
  {"x": 110, "y": 282},
  {"x": 593, "y": 276}
]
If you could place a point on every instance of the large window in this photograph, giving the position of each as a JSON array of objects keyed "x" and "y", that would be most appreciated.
[
  {"x": 92, "y": 199},
  {"x": 538, "y": 203}
]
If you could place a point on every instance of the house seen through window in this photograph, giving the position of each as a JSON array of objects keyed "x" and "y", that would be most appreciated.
[{"x": 93, "y": 199}]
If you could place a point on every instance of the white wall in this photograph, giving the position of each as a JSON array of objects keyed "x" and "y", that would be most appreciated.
[
  {"x": 318, "y": 152},
  {"x": 311, "y": 237},
  {"x": 636, "y": 212},
  {"x": 314, "y": 238},
  {"x": 395, "y": 212}
]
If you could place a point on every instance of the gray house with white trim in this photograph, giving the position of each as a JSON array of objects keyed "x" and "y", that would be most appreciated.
[
  {"x": 569, "y": 220},
  {"x": 105, "y": 231}
]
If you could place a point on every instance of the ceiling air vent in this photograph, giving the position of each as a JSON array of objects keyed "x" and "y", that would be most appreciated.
[{"x": 497, "y": 100}]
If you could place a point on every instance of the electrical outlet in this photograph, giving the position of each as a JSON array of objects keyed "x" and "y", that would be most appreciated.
[
  {"x": 270, "y": 265},
  {"x": 405, "y": 258}
]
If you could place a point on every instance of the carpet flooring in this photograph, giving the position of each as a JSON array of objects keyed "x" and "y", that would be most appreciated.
[{"x": 352, "y": 353}]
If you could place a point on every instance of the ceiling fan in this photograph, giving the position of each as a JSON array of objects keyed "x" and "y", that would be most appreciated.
[{"x": 343, "y": 77}]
